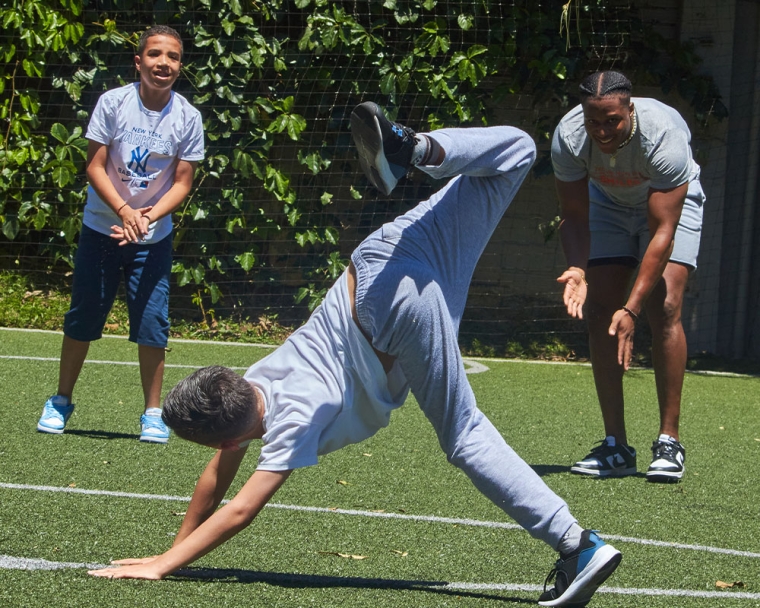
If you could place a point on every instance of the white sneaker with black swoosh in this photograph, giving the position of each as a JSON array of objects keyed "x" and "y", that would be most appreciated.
[
  {"x": 668, "y": 457},
  {"x": 608, "y": 459}
]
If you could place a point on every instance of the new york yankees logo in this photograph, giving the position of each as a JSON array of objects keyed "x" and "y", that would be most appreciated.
[{"x": 139, "y": 160}]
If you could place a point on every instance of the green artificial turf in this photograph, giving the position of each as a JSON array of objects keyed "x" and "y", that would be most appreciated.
[{"x": 548, "y": 414}]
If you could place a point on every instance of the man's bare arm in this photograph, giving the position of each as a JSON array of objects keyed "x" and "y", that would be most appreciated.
[
  {"x": 664, "y": 212},
  {"x": 576, "y": 238}
]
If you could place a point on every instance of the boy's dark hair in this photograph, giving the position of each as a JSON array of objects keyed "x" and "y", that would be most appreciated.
[
  {"x": 604, "y": 84},
  {"x": 158, "y": 30},
  {"x": 211, "y": 405}
]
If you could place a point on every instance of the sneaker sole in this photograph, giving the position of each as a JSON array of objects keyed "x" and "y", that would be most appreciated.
[
  {"x": 368, "y": 139},
  {"x": 148, "y": 439},
  {"x": 664, "y": 476},
  {"x": 604, "y": 562},
  {"x": 602, "y": 473},
  {"x": 47, "y": 429}
]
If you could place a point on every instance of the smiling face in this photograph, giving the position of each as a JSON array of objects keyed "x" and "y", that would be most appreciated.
[
  {"x": 608, "y": 121},
  {"x": 159, "y": 65}
]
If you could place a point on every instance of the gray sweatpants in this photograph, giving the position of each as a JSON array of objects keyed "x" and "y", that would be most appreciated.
[{"x": 413, "y": 276}]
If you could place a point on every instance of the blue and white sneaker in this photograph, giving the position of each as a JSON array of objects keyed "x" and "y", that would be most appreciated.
[
  {"x": 55, "y": 415},
  {"x": 153, "y": 428},
  {"x": 578, "y": 575},
  {"x": 385, "y": 148}
]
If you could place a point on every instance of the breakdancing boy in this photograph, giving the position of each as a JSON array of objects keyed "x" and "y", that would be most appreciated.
[{"x": 389, "y": 325}]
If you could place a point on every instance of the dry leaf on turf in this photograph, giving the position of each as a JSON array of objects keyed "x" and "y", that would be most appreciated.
[
  {"x": 400, "y": 553},
  {"x": 343, "y": 483},
  {"x": 724, "y": 585},
  {"x": 343, "y": 555}
]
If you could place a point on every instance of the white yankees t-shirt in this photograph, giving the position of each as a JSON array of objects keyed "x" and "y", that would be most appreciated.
[{"x": 144, "y": 147}]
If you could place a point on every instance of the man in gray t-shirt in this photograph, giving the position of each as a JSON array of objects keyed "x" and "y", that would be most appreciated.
[{"x": 630, "y": 198}]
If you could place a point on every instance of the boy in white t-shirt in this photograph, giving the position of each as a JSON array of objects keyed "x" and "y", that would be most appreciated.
[
  {"x": 145, "y": 141},
  {"x": 389, "y": 325}
]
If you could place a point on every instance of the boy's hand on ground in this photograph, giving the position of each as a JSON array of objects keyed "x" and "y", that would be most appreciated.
[
  {"x": 575, "y": 292},
  {"x": 146, "y": 571}
]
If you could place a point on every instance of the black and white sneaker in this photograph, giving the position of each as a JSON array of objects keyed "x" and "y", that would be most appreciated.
[
  {"x": 578, "y": 575},
  {"x": 385, "y": 148},
  {"x": 668, "y": 457},
  {"x": 608, "y": 459}
]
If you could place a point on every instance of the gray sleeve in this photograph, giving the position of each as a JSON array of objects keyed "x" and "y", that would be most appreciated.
[
  {"x": 670, "y": 160},
  {"x": 568, "y": 166}
]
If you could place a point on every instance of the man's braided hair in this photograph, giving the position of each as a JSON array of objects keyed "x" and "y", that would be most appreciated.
[{"x": 605, "y": 84}]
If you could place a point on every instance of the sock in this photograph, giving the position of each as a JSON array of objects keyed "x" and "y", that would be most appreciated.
[
  {"x": 571, "y": 540},
  {"x": 610, "y": 441},
  {"x": 667, "y": 438},
  {"x": 427, "y": 151}
]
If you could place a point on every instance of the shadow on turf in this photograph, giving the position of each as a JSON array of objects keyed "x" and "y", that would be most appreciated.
[
  {"x": 305, "y": 581},
  {"x": 549, "y": 469},
  {"x": 543, "y": 470},
  {"x": 101, "y": 434}
]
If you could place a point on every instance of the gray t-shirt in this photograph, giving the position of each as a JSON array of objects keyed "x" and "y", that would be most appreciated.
[{"x": 659, "y": 155}]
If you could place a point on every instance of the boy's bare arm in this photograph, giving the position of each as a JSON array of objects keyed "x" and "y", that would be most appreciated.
[
  {"x": 210, "y": 490},
  {"x": 139, "y": 224},
  {"x": 97, "y": 158},
  {"x": 221, "y": 526},
  {"x": 183, "y": 183}
]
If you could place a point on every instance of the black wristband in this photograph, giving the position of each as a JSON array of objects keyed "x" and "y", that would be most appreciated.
[{"x": 634, "y": 316}]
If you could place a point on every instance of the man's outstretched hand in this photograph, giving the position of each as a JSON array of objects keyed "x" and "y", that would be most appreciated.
[
  {"x": 576, "y": 290},
  {"x": 623, "y": 326}
]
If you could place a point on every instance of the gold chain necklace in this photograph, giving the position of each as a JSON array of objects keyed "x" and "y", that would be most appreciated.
[{"x": 626, "y": 142}]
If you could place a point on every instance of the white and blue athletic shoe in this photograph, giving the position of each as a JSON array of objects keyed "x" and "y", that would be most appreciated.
[
  {"x": 55, "y": 415},
  {"x": 153, "y": 429},
  {"x": 578, "y": 575}
]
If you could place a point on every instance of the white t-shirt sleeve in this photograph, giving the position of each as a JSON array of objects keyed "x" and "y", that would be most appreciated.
[
  {"x": 290, "y": 444},
  {"x": 568, "y": 166},
  {"x": 192, "y": 147},
  {"x": 670, "y": 162},
  {"x": 102, "y": 128}
]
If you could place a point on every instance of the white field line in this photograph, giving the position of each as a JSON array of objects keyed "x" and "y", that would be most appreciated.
[
  {"x": 8, "y": 562},
  {"x": 386, "y": 515},
  {"x": 470, "y": 360},
  {"x": 177, "y": 340},
  {"x": 98, "y": 362},
  {"x": 471, "y": 367}
]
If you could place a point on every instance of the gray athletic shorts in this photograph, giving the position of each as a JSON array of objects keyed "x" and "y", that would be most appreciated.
[{"x": 621, "y": 233}]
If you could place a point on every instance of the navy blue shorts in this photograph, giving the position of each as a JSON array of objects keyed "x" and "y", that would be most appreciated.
[{"x": 99, "y": 267}]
